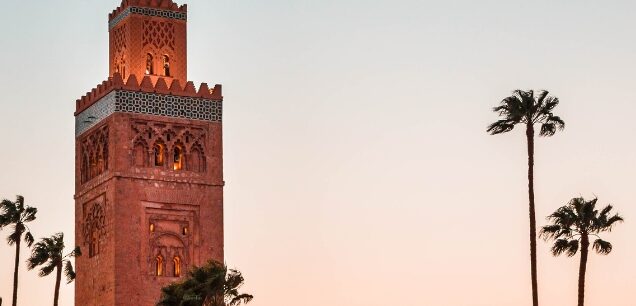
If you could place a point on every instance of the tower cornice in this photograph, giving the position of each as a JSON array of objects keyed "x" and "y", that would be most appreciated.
[
  {"x": 159, "y": 85},
  {"x": 157, "y": 8}
]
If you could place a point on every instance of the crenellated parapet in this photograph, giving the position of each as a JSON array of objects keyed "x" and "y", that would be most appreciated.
[
  {"x": 158, "y": 8},
  {"x": 147, "y": 85},
  {"x": 148, "y": 98}
]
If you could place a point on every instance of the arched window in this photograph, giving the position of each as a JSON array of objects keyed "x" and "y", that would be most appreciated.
[
  {"x": 152, "y": 227},
  {"x": 140, "y": 154},
  {"x": 166, "y": 65},
  {"x": 177, "y": 266},
  {"x": 184, "y": 230},
  {"x": 159, "y": 265},
  {"x": 178, "y": 158},
  {"x": 159, "y": 152},
  {"x": 149, "y": 64},
  {"x": 195, "y": 158}
]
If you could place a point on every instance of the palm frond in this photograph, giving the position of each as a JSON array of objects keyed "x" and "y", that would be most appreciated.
[
  {"x": 29, "y": 214},
  {"x": 241, "y": 299},
  {"x": 69, "y": 272},
  {"x": 549, "y": 231},
  {"x": 19, "y": 202},
  {"x": 500, "y": 126},
  {"x": 602, "y": 247},
  {"x": 77, "y": 251},
  {"x": 47, "y": 269},
  {"x": 561, "y": 246},
  {"x": 39, "y": 255},
  {"x": 16, "y": 234},
  {"x": 28, "y": 239}
]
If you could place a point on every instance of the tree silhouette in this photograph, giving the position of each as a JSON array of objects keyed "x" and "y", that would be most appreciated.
[
  {"x": 16, "y": 215},
  {"x": 208, "y": 285},
  {"x": 523, "y": 107},
  {"x": 571, "y": 228},
  {"x": 50, "y": 253}
]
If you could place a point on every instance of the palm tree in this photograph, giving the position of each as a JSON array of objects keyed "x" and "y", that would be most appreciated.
[
  {"x": 571, "y": 228},
  {"x": 209, "y": 285},
  {"x": 17, "y": 215},
  {"x": 523, "y": 107},
  {"x": 49, "y": 251}
]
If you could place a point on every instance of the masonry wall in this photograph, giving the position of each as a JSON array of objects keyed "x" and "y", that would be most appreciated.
[{"x": 134, "y": 196}]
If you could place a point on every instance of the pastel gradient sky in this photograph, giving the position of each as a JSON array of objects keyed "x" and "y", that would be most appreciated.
[{"x": 358, "y": 168}]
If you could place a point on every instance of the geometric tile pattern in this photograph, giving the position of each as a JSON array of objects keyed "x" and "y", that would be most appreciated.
[
  {"x": 95, "y": 113},
  {"x": 147, "y": 11},
  {"x": 149, "y": 104}
]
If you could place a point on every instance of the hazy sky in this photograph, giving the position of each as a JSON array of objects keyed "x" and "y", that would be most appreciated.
[{"x": 358, "y": 169}]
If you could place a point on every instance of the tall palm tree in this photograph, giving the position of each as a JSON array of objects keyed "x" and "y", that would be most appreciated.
[
  {"x": 528, "y": 109},
  {"x": 16, "y": 215},
  {"x": 209, "y": 285},
  {"x": 571, "y": 228},
  {"x": 50, "y": 251}
]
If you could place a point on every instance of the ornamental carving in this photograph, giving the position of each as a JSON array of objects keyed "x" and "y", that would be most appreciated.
[
  {"x": 94, "y": 225},
  {"x": 169, "y": 146},
  {"x": 158, "y": 34},
  {"x": 94, "y": 154},
  {"x": 149, "y": 104}
]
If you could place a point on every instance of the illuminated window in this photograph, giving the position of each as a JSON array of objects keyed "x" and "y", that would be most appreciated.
[
  {"x": 166, "y": 65},
  {"x": 149, "y": 65},
  {"x": 159, "y": 150},
  {"x": 184, "y": 230},
  {"x": 159, "y": 265},
  {"x": 178, "y": 158},
  {"x": 152, "y": 227},
  {"x": 177, "y": 266}
]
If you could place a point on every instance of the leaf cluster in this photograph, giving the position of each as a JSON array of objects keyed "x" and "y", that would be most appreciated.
[
  {"x": 16, "y": 215},
  {"x": 573, "y": 223},
  {"x": 49, "y": 252},
  {"x": 524, "y": 107},
  {"x": 209, "y": 285}
]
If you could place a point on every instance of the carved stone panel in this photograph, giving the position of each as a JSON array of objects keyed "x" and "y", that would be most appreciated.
[{"x": 172, "y": 238}]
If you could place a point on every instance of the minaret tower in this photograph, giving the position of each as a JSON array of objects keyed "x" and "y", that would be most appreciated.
[{"x": 148, "y": 163}]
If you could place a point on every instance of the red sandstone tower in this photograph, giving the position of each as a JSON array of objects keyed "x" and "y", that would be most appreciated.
[{"x": 148, "y": 163}]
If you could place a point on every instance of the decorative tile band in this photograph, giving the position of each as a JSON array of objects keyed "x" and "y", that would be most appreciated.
[
  {"x": 149, "y": 104},
  {"x": 146, "y": 11}
]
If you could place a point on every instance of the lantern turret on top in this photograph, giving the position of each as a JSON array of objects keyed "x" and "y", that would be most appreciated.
[{"x": 148, "y": 38}]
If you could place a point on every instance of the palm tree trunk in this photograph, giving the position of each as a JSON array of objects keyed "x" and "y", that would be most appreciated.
[
  {"x": 585, "y": 244},
  {"x": 15, "y": 272},
  {"x": 58, "y": 278},
  {"x": 533, "y": 222}
]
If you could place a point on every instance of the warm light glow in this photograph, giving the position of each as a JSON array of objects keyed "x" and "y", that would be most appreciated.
[
  {"x": 159, "y": 265},
  {"x": 149, "y": 64},
  {"x": 178, "y": 158},
  {"x": 159, "y": 154},
  {"x": 152, "y": 227},
  {"x": 177, "y": 266},
  {"x": 185, "y": 230},
  {"x": 166, "y": 65}
]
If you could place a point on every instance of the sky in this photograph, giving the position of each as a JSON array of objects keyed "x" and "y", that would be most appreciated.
[{"x": 357, "y": 165}]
